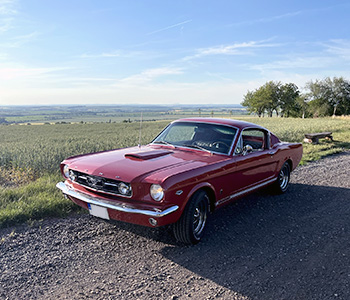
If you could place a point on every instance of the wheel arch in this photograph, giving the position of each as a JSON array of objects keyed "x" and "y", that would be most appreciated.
[
  {"x": 290, "y": 163},
  {"x": 210, "y": 191},
  {"x": 287, "y": 160},
  {"x": 212, "y": 198}
]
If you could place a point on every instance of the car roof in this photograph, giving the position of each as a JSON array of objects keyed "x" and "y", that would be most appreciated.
[{"x": 228, "y": 122}]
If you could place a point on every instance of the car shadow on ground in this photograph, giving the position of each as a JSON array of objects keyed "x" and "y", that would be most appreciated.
[
  {"x": 160, "y": 234},
  {"x": 291, "y": 246}
]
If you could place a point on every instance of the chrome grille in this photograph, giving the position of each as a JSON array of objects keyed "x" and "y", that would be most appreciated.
[{"x": 99, "y": 184}]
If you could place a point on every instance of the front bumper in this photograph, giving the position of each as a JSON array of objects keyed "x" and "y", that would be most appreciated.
[{"x": 119, "y": 211}]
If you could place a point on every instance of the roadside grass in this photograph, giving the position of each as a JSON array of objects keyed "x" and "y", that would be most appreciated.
[
  {"x": 33, "y": 201},
  {"x": 30, "y": 157}
]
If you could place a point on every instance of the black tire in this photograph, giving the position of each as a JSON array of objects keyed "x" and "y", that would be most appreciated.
[
  {"x": 282, "y": 182},
  {"x": 189, "y": 229}
]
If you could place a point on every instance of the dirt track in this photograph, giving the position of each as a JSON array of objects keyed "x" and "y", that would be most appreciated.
[{"x": 294, "y": 246}]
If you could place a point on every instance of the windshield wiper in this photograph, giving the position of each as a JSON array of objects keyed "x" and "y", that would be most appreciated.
[
  {"x": 164, "y": 143},
  {"x": 196, "y": 147}
]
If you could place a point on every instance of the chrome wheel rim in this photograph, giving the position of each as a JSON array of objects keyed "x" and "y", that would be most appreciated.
[
  {"x": 199, "y": 219},
  {"x": 284, "y": 177}
]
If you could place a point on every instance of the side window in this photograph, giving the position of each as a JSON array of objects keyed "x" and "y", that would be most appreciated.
[
  {"x": 239, "y": 146},
  {"x": 254, "y": 138}
]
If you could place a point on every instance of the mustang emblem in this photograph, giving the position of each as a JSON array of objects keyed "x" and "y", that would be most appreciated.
[{"x": 95, "y": 182}]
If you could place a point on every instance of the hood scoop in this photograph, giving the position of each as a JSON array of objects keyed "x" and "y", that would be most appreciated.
[{"x": 145, "y": 155}]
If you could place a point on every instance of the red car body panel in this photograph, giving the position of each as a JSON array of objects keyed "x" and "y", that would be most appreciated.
[{"x": 180, "y": 171}]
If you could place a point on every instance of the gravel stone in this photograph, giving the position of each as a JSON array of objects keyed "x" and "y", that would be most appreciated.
[{"x": 291, "y": 246}]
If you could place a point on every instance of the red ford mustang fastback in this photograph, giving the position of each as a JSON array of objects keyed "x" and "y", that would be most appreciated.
[{"x": 191, "y": 168}]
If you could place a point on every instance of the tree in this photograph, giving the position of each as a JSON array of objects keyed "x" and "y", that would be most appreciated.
[
  {"x": 287, "y": 102},
  {"x": 329, "y": 96},
  {"x": 271, "y": 94},
  {"x": 340, "y": 95},
  {"x": 323, "y": 98},
  {"x": 251, "y": 101},
  {"x": 302, "y": 105},
  {"x": 317, "y": 96},
  {"x": 272, "y": 97},
  {"x": 3, "y": 121}
]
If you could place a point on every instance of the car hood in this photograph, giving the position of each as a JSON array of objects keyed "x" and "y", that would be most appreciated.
[{"x": 136, "y": 164}]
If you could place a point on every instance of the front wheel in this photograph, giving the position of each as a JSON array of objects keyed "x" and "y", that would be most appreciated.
[
  {"x": 282, "y": 182},
  {"x": 189, "y": 228}
]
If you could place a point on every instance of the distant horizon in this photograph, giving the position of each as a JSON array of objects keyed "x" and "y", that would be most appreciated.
[
  {"x": 126, "y": 105},
  {"x": 63, "y": 114}
]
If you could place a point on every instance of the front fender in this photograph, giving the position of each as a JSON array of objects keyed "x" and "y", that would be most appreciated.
[{"x": 202, "y": 185}]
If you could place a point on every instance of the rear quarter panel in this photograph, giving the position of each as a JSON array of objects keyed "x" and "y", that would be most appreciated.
[{"x": 292, "y": 152}]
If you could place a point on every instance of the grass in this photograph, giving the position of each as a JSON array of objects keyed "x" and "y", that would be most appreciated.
[
  {"x": 34, "y": 201},
  {"x": 30, "y": 156}
]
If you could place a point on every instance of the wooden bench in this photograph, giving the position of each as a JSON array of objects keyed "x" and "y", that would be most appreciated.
[{"x": 313, "y": 137}]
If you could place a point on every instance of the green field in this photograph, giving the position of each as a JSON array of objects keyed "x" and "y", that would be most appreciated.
[
  {"x": 112, "y": 113},
  {"x": 30, "y": 156}
]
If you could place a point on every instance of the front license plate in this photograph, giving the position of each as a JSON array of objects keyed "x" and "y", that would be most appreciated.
[{"x": 98, "y": 211}]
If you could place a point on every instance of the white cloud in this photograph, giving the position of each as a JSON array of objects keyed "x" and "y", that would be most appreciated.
[
  {"x": 13, "y": 74},
  {"x": 18, "y": 41},
  {"x": 234, "y": 49},
  {"x": 169, "y": 27},
  {"x": 302, "y": 62},
  {"x": 5, "y": 24},
  {"x": 113, "y": 54},
  {"x": 288, "y": 15},
  {"x": 149, "y": 75},
  {"x": 7, "y": 11},
  {"x": 340, "y": 48},
  {"x": 268, "y": 19},
  {"x": 8, "y": 7},
  {"x": 26, "y": 37},
  {"x": 169, "y": 93}
]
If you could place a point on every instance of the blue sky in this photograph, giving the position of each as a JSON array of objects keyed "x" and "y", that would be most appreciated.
[{"x": 165, "y": 52}]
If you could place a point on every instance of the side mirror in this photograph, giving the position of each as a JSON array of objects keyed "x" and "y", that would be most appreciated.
[{"x": 247, "y": 149}]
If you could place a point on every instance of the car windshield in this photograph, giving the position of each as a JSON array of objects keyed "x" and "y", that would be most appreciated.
[{"x": 203, "y": 136}]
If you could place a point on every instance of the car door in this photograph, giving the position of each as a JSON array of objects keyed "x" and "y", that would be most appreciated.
[{"x": 254, "y": 160}]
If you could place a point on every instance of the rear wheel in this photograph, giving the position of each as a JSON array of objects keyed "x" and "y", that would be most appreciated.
[
  {"x": 190, "y": 227},
  {"x": 282, "y": 182}
]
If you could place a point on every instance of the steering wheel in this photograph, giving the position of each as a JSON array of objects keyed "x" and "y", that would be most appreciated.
[{"x": 218, "y": 143}]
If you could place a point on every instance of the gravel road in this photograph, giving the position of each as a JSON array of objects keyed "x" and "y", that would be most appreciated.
[{"x": 292, "y": 246}]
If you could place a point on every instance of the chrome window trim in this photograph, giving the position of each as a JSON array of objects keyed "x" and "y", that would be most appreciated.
[
  {"x": 268, "y": 136},
  {"x": 201, "y": 122}
]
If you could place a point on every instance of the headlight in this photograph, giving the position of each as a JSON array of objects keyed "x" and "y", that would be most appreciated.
[
  {"x": 124, "y": 188},
  {"x": 157, "y": 192},
  {"x": 72, "y": 175},
  {"x": 66, "y": 171}
]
